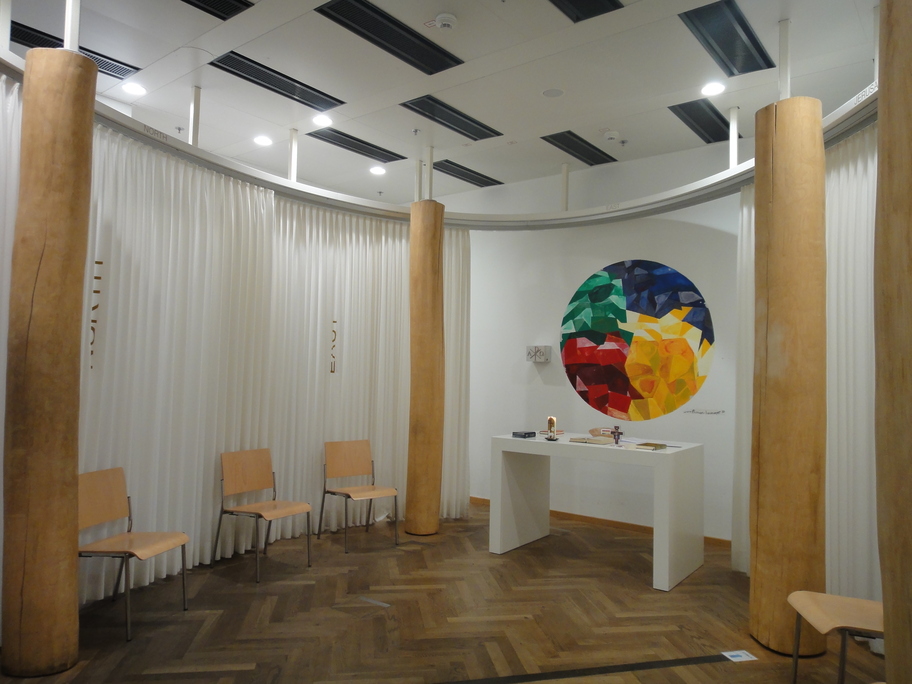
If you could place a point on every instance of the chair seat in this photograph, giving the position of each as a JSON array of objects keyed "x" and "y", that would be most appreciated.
[
  {"x": 826, "y": 612},
  {"x": 363, "y": 492},
  {"x": 141, "y": 545},
  {"x": 271, "y": 510}
]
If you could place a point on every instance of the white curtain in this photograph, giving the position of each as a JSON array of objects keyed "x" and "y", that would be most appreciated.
[
  {"x": 222, "y": 317},
  {"x": 744, "y": 384},
  {"x": 853, "y": 567},
  {"x": 10, "y": 118}
]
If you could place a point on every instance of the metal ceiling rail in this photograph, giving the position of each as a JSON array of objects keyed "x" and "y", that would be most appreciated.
[{"x": 855, "y": 114}]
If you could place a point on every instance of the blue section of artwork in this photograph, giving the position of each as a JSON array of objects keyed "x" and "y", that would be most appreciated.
[{"x": 655, "y": 289}]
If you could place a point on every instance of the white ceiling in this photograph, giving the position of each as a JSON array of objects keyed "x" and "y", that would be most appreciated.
[{"x": 618, "y": 71}]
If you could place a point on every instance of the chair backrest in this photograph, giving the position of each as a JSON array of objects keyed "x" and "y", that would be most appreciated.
[
  {"x": 347, "y": 459},
  {"x": 246, "y": 471},
  {"x": 102, "y": 497}
]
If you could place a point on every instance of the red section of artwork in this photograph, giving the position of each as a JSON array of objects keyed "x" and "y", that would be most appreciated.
[{"x": 598, "y": 375}]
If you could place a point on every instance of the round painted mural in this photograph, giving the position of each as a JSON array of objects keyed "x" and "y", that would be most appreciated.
[{"x": 637, "y": 340}]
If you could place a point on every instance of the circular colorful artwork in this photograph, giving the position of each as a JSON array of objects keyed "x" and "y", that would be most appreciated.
[{"x": 637, "y": 340}]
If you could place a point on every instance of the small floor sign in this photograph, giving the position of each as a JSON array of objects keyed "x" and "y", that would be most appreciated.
[{"x": 738, "y": 656}]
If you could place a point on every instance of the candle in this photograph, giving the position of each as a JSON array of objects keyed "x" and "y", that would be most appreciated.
[{"x": 552, "y": 427}]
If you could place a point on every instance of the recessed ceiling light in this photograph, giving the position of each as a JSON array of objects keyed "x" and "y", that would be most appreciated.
[
  {"x": 378, "y": 170},
  {"x": 133, "y": 89},
  {"x": 262, "y": 140},
  {"x": 552, "y": 92},
  {"x": 322, "y": 120},
  {"x": 713, "y": 88}
]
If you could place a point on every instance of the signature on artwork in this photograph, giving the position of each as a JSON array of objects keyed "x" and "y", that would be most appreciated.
[{"x": 701, "y": 412}]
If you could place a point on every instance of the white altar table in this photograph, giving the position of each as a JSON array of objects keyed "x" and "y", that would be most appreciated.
[{"x": 521, "y": 490}]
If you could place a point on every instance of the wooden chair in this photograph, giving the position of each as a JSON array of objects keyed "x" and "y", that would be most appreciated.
[
  {"x": 251, "y": 471},
  {"x": 103, "y": 498},
  {"x": 353, "y": 459},
  {"x": 826, "y": 612}
]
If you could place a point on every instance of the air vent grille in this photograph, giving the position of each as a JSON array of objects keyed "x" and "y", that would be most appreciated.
[
  {"x": 277, "y": 82},
  {"x": 580, "y": 10},
  {"x": 31, "y": 38},
  {"x": 353, "y": 144},
  {"x": 390, "y": 34},
  {"x": 574, "y": 145},
  {"x": 435, "y": 110},
  {"x": 702, "y": 117},
  {"x": 725, "y": 33},
  {"x": 223, "y": 9},
  {"x": 466, "y": 174}
]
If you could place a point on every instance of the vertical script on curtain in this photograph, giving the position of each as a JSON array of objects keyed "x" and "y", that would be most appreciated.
[
  {"x": 332, "y": 349},
  {"x": 96, "y": 303}
]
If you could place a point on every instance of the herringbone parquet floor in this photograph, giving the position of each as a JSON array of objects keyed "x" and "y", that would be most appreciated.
[{"x": 444, "y": 609}]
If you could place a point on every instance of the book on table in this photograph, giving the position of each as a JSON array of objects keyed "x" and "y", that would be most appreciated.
[
  {"x": 651, "y": 446},
  {"x": 592, "y": 440}
]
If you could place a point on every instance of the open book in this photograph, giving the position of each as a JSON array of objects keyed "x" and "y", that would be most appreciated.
[{"x": 593, "y": 440}]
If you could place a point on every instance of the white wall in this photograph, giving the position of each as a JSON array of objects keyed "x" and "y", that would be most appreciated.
[
  {"x": 521, "y": 284},
  {"x": 601, "y": 185}
]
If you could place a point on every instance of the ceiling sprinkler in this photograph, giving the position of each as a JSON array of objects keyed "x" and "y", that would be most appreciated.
[{"x": 445, "y": 20}]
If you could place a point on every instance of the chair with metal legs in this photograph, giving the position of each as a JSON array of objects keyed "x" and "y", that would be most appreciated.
[
  {"x": 251, "y": 471},
  {"x": 103, "y": 498},
  {"x": 826, "y": 612},
  {"x": 353, "y": 459}
]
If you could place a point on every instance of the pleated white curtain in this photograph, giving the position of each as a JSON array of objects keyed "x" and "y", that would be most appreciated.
[
  {"x": 10, "y": 119},
  {"x": 222, "y": 317},
  {"x": 853, "y": 566},
  {"x": 744, "y": 385}
]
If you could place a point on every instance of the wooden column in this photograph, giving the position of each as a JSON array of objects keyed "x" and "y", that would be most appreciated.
[
  {"x": 893, "y": 334},
  {"x": 40, "y": 540},
  {"x": 425, "y": 454},
  {"x": 789, "y": 423}
]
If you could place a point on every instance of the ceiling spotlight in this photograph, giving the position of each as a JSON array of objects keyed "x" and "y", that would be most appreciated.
[
  {"x": 262, "y": 140},
  {"x": 133, "y": 89},
  {"x": 378, "y": 170},
  {"x": 322, "y": 120},
  {"x": 713, "y": 88}
]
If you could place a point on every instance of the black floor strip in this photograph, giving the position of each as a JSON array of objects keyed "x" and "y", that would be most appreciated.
[{"x": 593, "y": 671}]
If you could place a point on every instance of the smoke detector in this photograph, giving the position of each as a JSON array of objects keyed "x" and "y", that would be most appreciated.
[
  {"x": 611, "y": 135},
  {"x": 445, "y": 20}
]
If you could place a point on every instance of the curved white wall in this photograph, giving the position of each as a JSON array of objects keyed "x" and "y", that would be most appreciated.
[{"x": 521, "y": 284}]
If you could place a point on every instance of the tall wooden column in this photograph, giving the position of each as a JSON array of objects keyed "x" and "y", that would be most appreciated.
[
  {"x": 425, "y": 454},
  {"x": 40, "y": 538},
  {"x": 893, "y": 334},
  {"x": 789, "y": 424}
]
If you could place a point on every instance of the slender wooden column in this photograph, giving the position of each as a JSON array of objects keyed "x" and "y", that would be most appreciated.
[
  {"x": 893, "y": 333},
  {"x": 789, "y": 424},
  {"x": 40, "y": 539},
  {"x": 425, "y": 455}
]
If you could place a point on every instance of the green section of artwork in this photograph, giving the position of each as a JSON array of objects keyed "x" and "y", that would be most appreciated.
[{"x": 598, "y": 308}]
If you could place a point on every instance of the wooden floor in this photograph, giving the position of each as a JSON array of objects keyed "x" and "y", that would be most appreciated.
[{"x": 576, "y": 606}]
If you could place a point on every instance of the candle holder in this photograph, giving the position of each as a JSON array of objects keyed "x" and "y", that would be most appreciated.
[{"x": 552, "y": 429}]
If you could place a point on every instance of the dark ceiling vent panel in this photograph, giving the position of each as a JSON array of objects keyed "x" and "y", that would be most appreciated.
[
  {"x": 726, "y": 35},
  {"x": 702, "y": 117},
  {"x": 580, "y": 10},
  {"x": 223, "y": 9},
  {"x": 273, "y": 80},
  {"x": 435, "y": 110},
  {"x": 353, "y": 144},
  {"x": 30, "y": 38},
  {"x": 574, "y": 145},
  {"x": 390, "y": 34},
  {"x": 466, "y": 174}
]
